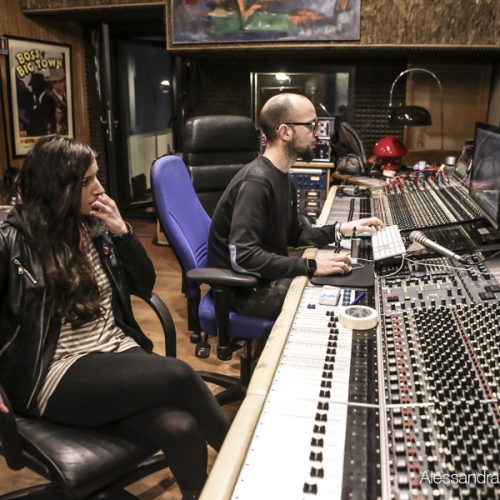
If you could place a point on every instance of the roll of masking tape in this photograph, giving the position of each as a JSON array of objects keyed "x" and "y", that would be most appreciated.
[{"x": 358, "y": 317}]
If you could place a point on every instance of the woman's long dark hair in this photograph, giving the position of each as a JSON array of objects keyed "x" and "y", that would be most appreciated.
[{"x": 50, "y": 186}]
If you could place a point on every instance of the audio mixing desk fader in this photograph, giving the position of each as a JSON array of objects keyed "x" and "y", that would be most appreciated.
[
  {"x": 385, "y": 413},
  {"x": 350, "y": 208},
  {"x": 440, "y": 346},
  {"x": 325, "y": 382},
  {"x": 441, "y": 380},
  {"x": 415, "y": 207},
  {"x": 426, "y": 208},
  {"x": 439, "y": 352}
]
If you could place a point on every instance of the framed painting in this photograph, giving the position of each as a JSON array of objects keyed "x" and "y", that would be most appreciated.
[
  {"x": 231, "y": 23},
  {"x": 40, "y": 94}
]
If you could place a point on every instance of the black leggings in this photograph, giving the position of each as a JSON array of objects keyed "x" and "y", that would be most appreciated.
[{"x": 162, "y": 399}]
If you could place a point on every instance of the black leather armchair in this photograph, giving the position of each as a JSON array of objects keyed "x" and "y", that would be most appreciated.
[
  {"x": 94, "y": 463},
  {"x": 215, "y": 148}
]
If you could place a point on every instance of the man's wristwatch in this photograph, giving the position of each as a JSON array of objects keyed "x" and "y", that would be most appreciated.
[{"x": 311, "y": 267}]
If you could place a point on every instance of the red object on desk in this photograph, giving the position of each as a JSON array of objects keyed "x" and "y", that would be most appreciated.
[{"x": 389, "y": 149}]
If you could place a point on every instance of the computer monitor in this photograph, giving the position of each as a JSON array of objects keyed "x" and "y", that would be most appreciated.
[
  {"x": 464, "y": 164},
  {"x": 485, "y": 174}
]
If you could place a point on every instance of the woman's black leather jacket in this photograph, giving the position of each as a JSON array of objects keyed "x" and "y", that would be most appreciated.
[{"x": 28, "y": 334}]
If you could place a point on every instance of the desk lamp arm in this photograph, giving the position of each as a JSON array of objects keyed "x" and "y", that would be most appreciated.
[{"x": 422, "y": 70}]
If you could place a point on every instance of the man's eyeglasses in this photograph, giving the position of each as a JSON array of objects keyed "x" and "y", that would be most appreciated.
[{"x": 312, "y": 126}]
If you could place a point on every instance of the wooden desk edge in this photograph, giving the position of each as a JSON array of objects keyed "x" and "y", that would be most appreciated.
[{"x": 225, "y": 472}]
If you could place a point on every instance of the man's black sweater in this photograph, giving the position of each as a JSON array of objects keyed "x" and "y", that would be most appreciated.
[{"x": 256, "y": 221}]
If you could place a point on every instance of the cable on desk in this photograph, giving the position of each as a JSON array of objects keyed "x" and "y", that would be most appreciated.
[{"x": 493, "y": 255}]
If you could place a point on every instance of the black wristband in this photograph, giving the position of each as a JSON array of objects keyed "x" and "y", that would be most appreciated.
[
  {"x": 311, "y": 267},
  {"x": 124, "y": 235}
]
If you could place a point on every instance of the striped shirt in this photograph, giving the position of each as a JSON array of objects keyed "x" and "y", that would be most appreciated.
[{"x": 99, "y": 335}]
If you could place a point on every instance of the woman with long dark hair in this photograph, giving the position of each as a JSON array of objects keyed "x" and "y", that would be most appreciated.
[{"x": 70, "y": 349}]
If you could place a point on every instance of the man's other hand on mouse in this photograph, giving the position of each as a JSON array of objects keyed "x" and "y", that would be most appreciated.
[{"x": 332, "y": 263}]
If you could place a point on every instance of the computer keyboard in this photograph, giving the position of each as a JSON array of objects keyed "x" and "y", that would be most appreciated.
[{"x": 387, "y": 243}]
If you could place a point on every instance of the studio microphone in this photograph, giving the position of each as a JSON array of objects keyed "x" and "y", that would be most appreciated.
[{"x": 420, "y": 237}]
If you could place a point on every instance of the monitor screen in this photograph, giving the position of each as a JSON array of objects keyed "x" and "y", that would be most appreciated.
[{"x": 485, "y": 174}]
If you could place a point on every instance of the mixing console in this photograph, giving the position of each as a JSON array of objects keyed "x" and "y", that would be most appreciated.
[
  {"x": 437, "y": 282},
  {"x": 460, "y": 203},
  {"x": 458, "y": 238},
  {"x": 346, "y": 209},
  {"x": 324, "y": 384},
  {"x": 407, "y": 411},
  {"x": 441, "y": 375},
  {"x": 463, "y": 237},
  {"x": 441, "y": 381},
  {"x": 425, "y": 206}
]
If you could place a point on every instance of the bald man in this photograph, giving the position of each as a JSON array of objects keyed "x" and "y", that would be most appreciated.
[{"x": 256, "y": 220}]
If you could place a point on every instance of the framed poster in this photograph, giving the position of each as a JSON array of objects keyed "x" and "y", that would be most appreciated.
[
  {"x": 193, "y": 23},
  {"x": 40, "y": 91}
]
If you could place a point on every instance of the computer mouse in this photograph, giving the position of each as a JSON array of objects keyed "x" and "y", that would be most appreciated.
[{"x": 349, "y": 271}]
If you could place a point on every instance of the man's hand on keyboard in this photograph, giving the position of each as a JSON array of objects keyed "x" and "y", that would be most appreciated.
[
  {"x": 387, "y": 243},
  {"x": 368, "y": 225},
  {"x": 332, "y": 263}
]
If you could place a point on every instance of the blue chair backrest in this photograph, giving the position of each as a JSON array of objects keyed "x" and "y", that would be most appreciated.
[{"x": 182, "y": 217}]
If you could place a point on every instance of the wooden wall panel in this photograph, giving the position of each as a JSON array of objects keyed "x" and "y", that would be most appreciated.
[
  {"x": 466, "y": 90},
  {"x": 430, "y": 22},
  {"x": 17, "y": 24}
]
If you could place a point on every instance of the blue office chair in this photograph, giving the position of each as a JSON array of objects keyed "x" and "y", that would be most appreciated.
[{"x": 186, "y": 226}]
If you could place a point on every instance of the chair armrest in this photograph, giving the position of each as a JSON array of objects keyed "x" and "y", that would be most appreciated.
[
  {"x": 224, "y": 277},
  {"x": 167, "y": 323},
  {"x": 10, "y": 445},
  {"x": 222, "y": 281}
]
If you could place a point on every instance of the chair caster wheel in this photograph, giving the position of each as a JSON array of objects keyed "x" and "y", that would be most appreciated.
[{"x": 202, "y": 350}]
